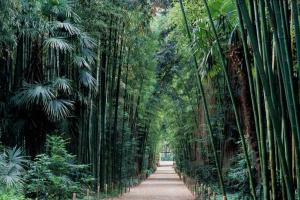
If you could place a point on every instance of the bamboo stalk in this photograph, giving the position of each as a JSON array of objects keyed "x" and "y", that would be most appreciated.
[
  {"x": 273, "y": 113},
  {"x": 201, "y": 92},
  {"x": 237, "y": 118}
]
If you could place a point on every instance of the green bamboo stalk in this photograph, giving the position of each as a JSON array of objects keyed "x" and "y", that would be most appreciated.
[
  {"x": 297, "y": 36},
  {"x": 258, "y": 24},
  {"x": 273, "y": 113},
  {"x": 201, "y": 91},
  {"x": 258, "y": 123},
  {"x": 238, "y": 123},
  {"x": 297, "y": 30},
  {"x": 98, "y": 111},
  {"x": 124, "y": 119},
  {"x": 272, "y": 156},
  {"x": 277, "y": 57},
  {"x": 283, "y": 39},
  {"x": 268, "y": 67},
  {"x": 103, "y": 114},
  {"x": 250, "y": 77}
]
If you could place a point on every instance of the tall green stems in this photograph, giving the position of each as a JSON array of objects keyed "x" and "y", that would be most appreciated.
[
  {"x": 237, "y": 118},
  {"x": 274, "y": 115},
  {"x": 297, "y": 30},
  {"x": 201, "y": 91}
]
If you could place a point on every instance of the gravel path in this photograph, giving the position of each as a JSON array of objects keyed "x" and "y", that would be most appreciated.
[{"x": 164, "y": 184}]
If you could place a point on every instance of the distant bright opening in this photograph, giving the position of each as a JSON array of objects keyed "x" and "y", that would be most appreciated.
[{"x": 166, "y": 156}]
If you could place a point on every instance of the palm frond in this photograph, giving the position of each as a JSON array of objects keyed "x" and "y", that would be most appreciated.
[
  {"x": 81, "y": 62},
  {"x": 87, "y": 80},
  {"x": 33, "y": 94},
  {"x": 16, "y": 159},
  {"x": 12, "y": 165},
  {"x": 9, "y": 178},
  {"x": 58, "y": 109},
  {"x": 86, "y": 41},
  {"x": 61, "y": 8},
  {"x": 67, "y": 26},
  {"x": 63, "y": 85},
  {"x": 89, "y": 55},
  {"x": 58, "y": 43}
]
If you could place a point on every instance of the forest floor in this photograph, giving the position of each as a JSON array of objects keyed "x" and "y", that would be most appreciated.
[{"x": 164, "y": 184}]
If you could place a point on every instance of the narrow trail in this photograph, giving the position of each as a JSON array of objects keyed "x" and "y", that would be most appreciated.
[{"x": 164, "y": 184}]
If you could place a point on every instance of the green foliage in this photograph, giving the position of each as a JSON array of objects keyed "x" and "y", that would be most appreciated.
[
  {"x": 55, "y": 174},
  {"x": 237, "y": 176},
  {"x": 117, "y": 93},
  {"x": 12, "y": 165},
  {"x": 11, "y": 194},
  {"x": 47, "y": 97},
  {"x": 9, "y": 13}
]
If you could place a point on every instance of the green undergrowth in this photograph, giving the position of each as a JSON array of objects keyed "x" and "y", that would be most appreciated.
[{"x": 54, "y": 175}]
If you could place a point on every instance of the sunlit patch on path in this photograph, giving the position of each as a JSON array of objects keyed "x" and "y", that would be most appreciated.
[{"x": 164, "y": 184}]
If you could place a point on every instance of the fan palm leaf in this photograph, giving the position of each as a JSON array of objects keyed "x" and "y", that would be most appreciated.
[
  {"x": 12, "y": 165},
  {"x": 15, "y": 158},
  {"x": 58, "y": 43},
  {"x": 33, "y": 94},
  {"x": 61, "y": 8},
  {"x": 86, "y": 41},
  {"x": 67, "y": 26},
  {"x": 58, "y": 109},
  {"x": 81, "y": 62},
  {"x": 87, "y": 80},
  {"x": 62, "y": 85},
  {"x": 89, "y": 55}
]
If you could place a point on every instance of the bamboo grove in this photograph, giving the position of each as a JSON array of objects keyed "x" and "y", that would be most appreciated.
[
  {"x": 216, "y": 80},
  {"x": 241, "y": 59},
  {"x": 80, "y": 69}
]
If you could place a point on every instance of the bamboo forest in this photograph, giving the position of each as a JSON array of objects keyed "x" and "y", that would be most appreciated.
[{"x": 149, "y": 100}]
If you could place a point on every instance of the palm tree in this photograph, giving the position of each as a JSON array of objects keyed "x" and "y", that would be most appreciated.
[{"x": 12, "y": 168}]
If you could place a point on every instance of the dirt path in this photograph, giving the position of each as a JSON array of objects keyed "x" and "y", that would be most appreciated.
[{"x": 164, "y": 184}]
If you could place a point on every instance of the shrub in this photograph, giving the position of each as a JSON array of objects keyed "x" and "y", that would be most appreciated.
[
  {"x": 12, "y": 165},
  {"x": 12, "y": 170},
  {"x": 55, "y": 174},
  {"x": 237, "y": 176},
  {"x": 11, "y": 194}
]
